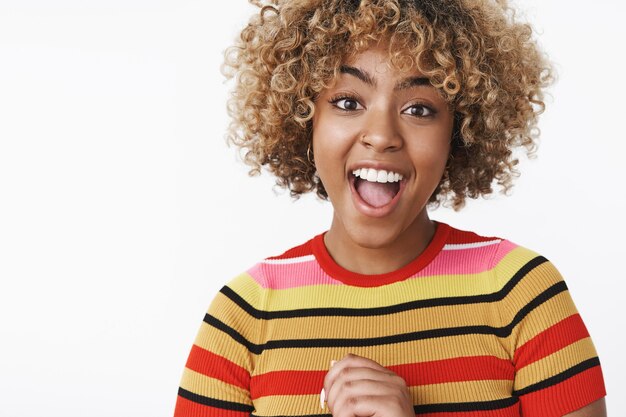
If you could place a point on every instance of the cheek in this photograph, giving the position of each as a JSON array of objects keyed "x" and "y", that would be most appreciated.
[
  {"x": 330, "y": 140},
  {"x": 432, "y": 154}
]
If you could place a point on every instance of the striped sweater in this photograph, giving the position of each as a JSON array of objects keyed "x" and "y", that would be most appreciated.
[{"x": 476, "y": 326}]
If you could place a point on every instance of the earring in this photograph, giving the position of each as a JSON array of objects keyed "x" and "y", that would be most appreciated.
[{"x": 308, "y": 154}]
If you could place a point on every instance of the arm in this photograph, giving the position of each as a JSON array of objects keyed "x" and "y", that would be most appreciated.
[
  {"x": 216, "y": 378},
  {"x": 557, "y": 370}
]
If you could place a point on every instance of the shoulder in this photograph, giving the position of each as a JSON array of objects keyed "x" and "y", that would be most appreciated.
[
  {"x": 275, "y": 272},
  {"x": 489, "y": 249},
  {"x": 510, "y": 262}
]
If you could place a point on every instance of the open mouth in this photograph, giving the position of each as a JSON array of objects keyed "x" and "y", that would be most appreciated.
[{"x": 376, "y": 187}]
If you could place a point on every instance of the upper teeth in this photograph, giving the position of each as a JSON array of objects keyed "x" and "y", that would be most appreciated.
[{"x": 375, "y": 175}]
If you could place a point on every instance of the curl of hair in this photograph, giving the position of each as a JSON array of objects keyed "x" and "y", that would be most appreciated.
[{"x": 484, "y": 63}]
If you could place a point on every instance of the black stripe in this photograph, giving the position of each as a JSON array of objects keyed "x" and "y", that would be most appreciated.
[
  {"x": 470, "y": 406},
  {"x": 379, "y": 311},
  {"x": 443, "y": 408},
  {"x": 299, "y": 415},
  {"x": 386, "y": 340},
  {"x": 552, "y": 291},
  {"x": 212, "y": 402},
  {"x": 574, "y": 370},
  {"x": 212, "y": 321}
]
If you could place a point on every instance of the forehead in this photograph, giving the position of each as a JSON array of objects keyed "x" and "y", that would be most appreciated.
[
  {"x": 375, "y": 66},
  {"x": 382, "y": 59}
]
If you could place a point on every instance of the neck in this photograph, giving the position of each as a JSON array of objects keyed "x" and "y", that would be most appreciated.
[{"x": 370, "y": 258}]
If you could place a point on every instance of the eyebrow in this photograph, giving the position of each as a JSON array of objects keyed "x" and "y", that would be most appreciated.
[
  {"x": 412, "y": 82},
  {"x": 369, "y": 80}
]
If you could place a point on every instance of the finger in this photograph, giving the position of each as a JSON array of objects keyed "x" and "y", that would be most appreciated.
[
  {"x": 365, "y": 381},
  {"x": 348, "y": 362},
  {"x": 344, "y": 391},
  {"x": 350, "y": 378},
  {"x": 373, "y": 405}
]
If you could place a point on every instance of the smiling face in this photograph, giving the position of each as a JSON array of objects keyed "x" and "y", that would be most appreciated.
[{"x": 381, "y": 140}]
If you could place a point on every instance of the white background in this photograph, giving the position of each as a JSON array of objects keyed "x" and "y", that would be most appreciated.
[{"x": 122, "y": 211}]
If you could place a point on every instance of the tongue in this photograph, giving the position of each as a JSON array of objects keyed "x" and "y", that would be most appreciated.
[{"x": 375, "y": 193}]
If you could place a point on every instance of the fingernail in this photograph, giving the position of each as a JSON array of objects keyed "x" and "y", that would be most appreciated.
[
  {"x": 332, "y": 363},
  {"x": 322, "y": 399}
]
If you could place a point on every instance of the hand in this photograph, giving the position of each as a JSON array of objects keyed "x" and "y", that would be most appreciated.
[{"x": 359, "y": 387}]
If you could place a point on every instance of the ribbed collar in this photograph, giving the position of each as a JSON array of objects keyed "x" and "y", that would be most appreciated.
[{"x": 338, "y": 272}]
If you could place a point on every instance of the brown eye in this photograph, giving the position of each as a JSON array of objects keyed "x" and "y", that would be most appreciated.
[
  {"x": 347, "y": 104},
  {"x": 419, "y": 110}
]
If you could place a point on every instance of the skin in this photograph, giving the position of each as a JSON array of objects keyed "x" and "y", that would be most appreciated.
[
  {"x": 383, "y": 118},
  {"x": 375, "y": 116}
]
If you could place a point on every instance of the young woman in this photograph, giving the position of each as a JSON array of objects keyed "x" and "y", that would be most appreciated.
[{"x": 385, "y": 107}]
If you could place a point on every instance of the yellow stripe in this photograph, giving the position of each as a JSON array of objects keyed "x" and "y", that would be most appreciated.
[
  {"x": 220, "y": 343},
  {"x": 323, "y": 296},
  {"x": 511, "y": 263},
  {"x": 458, "y": 392},
  {"x": 378, "y": 326},
  {"x": 247, "y": 288},
  {"x": 544, "y": 316},
  {"x": 533, "y": 284},
  {"x": 229, "y": 313},
  {"x": 555, "y": 363},
  {"x": 213, "y": 388}
]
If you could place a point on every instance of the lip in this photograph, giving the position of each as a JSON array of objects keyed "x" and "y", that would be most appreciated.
[{"x": 364, "y": 208}]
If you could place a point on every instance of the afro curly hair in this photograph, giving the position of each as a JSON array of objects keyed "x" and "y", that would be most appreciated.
[{"x": 484, "y": 63}]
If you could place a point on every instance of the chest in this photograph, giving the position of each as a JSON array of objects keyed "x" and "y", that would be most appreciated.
[{"x": 447, "y": 355}]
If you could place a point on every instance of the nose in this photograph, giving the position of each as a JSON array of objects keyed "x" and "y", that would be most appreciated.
[{"x": 381, "y": 133}]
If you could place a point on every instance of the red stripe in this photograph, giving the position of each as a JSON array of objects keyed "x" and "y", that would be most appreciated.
[
  {"x": 553, "y": 339},
  {"x": 188, "y": 408},
  {"x": 449, "y": 370},
  {"x": 287, "y": 383},
  {"x": 469, "y": 368},
  {"x": 328, "y": 264},
  {"x": 218, "y": 367},
  {"x": 572, "y": 394}
]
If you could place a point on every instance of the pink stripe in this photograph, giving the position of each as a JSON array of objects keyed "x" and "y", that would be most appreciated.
[
  {"x": 506, "y": 247},
  {"x": 301, "y": 274},
  {"x": 447, "y": 262},
  {"x": 467, "y": 261}
]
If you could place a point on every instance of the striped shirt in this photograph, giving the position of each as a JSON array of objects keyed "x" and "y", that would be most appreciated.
[{"x": 477, "y": 326}]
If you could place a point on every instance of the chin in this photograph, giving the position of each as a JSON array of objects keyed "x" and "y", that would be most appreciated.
[{"x": 372, "y": 237}]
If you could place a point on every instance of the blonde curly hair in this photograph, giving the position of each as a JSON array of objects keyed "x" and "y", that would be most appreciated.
[{"x": 484, "y": 63}]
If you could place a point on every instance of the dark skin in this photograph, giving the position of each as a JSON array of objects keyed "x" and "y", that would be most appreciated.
[{"x": 376, "y": 117}]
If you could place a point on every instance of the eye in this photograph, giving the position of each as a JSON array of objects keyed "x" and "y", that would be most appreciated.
[
  {"x": 346, "y": 103},
  {"x": 419, "y": 110}
]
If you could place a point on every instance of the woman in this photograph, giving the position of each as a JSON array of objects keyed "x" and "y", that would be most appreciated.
[{"x": 385, "y": 108}]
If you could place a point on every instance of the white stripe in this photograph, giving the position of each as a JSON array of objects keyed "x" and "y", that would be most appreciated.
[
  {"x": 457, "y": 246},
  {"x": 289, "y": 260}
]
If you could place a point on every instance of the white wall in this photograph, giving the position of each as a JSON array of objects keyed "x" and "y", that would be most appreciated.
[{"x": 122, "y": 211}]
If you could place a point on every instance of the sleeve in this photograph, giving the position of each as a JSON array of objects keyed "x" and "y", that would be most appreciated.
[
  {"x": 216, "y": 378},
  {"x": 557, "y": 370}
]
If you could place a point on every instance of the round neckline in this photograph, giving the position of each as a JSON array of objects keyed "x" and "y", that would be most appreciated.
[{"x": 336, "y": 271}]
